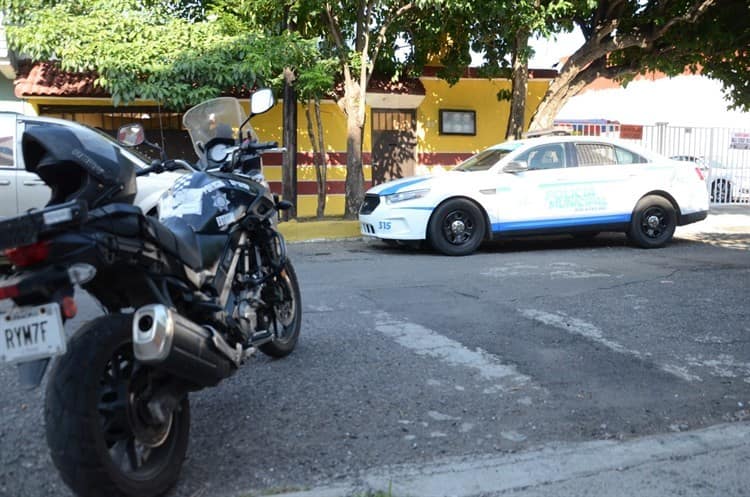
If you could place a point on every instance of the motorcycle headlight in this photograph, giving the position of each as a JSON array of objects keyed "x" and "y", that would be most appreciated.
[{"x": 407, "y": 195}]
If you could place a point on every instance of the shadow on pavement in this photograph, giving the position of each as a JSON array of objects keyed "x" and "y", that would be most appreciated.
[{"x": 737, "y": 241}]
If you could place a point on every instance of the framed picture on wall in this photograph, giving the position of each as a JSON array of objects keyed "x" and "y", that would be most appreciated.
[{"x": 458, "y": 122}]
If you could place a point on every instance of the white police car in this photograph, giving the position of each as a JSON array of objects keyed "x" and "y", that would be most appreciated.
[{"x": 561, "y": 184}]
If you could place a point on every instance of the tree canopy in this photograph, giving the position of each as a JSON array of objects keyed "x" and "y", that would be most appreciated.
[
  {"x": 627, "y": 37},
  {"x": 178, "y": 53}
]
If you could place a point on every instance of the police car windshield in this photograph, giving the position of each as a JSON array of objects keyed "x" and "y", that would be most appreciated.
[{"x": 484, "y": 160}]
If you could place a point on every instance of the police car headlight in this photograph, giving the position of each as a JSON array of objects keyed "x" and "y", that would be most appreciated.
[{"x": 408, "y": 195}]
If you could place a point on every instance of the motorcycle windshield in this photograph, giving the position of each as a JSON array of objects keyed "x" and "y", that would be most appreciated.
[{"x": 219, "y": 117}]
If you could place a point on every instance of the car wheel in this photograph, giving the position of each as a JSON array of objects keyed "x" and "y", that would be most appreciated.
[
  {"x": 720, "y": 191},
  {"x": 456, "y": 228},
  {"x": 654, "y": 221}
]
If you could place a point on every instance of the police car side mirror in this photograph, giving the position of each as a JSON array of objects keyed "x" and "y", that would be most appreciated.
[{"x": 518, "y": 166}]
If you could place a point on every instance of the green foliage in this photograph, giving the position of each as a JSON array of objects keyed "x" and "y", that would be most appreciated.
[
  {"x": 175, "y": 52},
  {"x": 716, "y": 46},
  {"x": 631, "y": 37},
  {"x": 505, "y": 95}
]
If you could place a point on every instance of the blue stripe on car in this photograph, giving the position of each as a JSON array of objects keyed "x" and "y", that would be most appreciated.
[
  {"x": 559, "y": 223},
  {"x": 396, "y": 188}
]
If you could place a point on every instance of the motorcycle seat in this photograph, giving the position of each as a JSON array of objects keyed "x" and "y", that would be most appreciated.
[{"x": 177, "y": 238}]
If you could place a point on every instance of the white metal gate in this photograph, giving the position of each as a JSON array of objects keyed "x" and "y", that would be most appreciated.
[{"x": 722, "y": 154}]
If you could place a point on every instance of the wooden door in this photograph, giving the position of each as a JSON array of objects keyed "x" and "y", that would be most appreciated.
[{"x": 394, "y": 144}]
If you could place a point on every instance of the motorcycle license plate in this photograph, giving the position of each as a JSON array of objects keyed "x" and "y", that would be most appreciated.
[{"x": 30, "y": 333}]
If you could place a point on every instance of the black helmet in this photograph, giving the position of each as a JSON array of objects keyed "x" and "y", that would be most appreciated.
[{"x": 77, "y": 162}]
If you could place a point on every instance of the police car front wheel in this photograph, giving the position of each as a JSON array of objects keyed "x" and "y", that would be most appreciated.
[{"x": 456, "y": 228}]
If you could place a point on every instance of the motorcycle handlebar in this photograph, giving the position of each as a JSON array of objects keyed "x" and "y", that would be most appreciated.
[
  {"x": 158, "y": 167},
  {"x": 155, "y": 167},
  {"x": 255, "y": 146}
]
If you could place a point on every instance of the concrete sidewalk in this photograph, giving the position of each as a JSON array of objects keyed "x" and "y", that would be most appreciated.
[
  {"x": 721, "y": 219},
  {"x": 703, "y": 463}
]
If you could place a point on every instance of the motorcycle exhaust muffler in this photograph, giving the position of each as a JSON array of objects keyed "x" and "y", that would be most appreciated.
[{"x": 171, "y": 342}]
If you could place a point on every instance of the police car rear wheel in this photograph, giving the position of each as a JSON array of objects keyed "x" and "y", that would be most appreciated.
[
  {"x": 457, "y": 228},
  {"x": 654, "y": 221}
]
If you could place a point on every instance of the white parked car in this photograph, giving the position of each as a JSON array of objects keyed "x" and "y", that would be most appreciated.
[
  {"x": 560, "y": 184},
  {"x": 21, "y": 190},
  {"x": 725, "y": 184}
]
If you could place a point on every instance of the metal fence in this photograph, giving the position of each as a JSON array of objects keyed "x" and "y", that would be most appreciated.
[{"x": 722, "y": 154}]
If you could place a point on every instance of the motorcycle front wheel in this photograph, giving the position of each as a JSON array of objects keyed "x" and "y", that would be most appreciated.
[
  {"x": 286, "y": 313},
  {"x": 101, "y": 436}
]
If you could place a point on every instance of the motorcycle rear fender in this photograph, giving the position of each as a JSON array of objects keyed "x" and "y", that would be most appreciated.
[
  {"x": 30, "y": 374},
  {"x": 41, "y": 286}
]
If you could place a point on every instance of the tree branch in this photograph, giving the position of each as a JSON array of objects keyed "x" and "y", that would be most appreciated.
[
  {"x": 360, "y": 27},
  {"x": 333, "y": 25},
  {"x": 692, "y": 15},
  {"x": 380, "y": 40},
  {"x": 607, "y": 29},
  {"x": 644, "y": 40},
  {"x": 600, "y": 69}
]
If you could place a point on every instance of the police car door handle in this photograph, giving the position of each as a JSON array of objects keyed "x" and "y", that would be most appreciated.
[
  {"x": 33, "y": 182},
  {"x": 4, "y": 182}
]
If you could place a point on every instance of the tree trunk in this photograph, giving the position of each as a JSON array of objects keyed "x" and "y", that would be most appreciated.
[
  {"x": 580, "y": 69},
  {"x": 517, "y": 116},
  {"x": 553, "y": 104},
  {"x": 323, "y": 168},
  {"x": 318, "y": 154},
  {"x": 289, "y": 167},
  {"x": 353, "y": 104}
]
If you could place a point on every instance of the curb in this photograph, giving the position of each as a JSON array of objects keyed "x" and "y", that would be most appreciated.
[{"x": 296, "y": 231}]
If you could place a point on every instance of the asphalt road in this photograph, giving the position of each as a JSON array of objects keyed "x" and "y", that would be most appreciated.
[{"x": 408, "y": 357}]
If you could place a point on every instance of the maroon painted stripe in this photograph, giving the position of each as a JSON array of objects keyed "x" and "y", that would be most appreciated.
[
  {"x": 339, "y": 158},
  {"x": 473, "y": 73},
  {"x": 443, "y": 158},
  {"x": 311, "y": 187},
  {"x": 306, "y": 158}
]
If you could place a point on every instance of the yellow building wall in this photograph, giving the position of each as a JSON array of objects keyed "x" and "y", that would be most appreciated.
[
  {"x": 268, "y": 127},
  {"x": 479, "y": 95}
]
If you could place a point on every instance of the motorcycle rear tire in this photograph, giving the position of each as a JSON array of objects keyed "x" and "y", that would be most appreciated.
[{"x": 86, "y": 419}]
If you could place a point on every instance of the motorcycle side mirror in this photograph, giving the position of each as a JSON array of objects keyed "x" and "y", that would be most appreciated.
[
  {"x": 261, "y": 101},
  {"x": 283, "y": 205},
  {"x": 131, "y": 135}
]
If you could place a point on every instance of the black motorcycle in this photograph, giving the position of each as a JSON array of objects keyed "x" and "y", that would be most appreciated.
[{"x": 189, "y": 296}]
